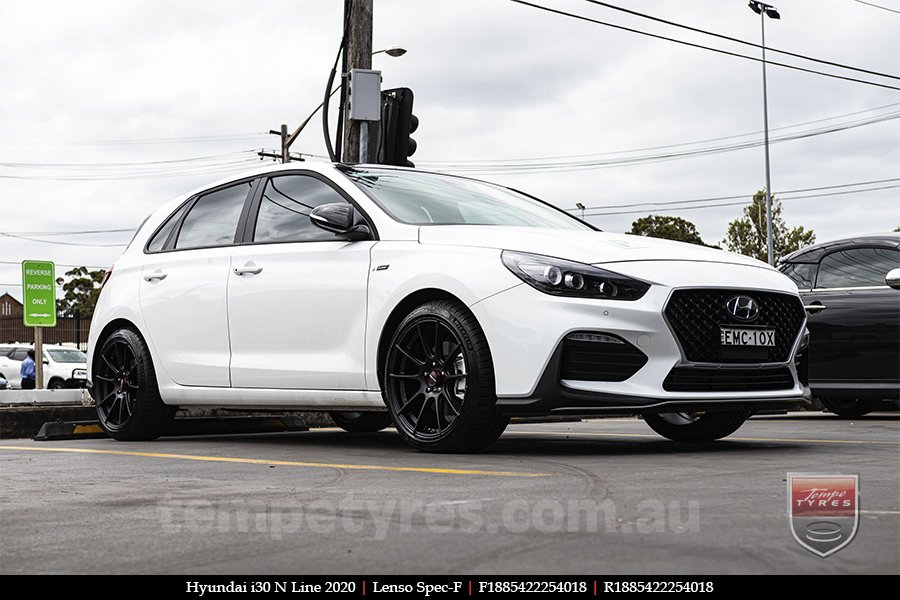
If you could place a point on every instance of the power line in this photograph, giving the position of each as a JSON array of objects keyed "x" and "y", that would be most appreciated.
[
  {"x": 144, "y": 141},
  {"x": 736, "y": 196},
  {"x": 738, "y": 40},
  {"x": 52, "y": 233},
  {"x": 878, "y": 6},
  {"x": 744, "y": 202},
  {"x": 31, "y": 239},
  {"x": 701, "y": 46},
  {"x": 104, "y": 165},
  {"x": 224, "y": 167},
  {"x": 661, "y": 147},
  {"x": 535, "y": 167}
]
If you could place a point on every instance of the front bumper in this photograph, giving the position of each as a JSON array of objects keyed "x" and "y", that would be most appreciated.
[
  {"x": 526, "y": 329},
  {"x": 554, "y": 396}
]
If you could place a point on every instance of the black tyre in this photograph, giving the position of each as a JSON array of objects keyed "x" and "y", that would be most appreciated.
[
  {"x": 693, "y": 428},
  {"x": 56, "y": 384},
  {"x": 438, "y": 381},
  {"x": 125, "y": 391},
  {"x": 361, "y": 422},
  {"x": 850, "y": 408}
]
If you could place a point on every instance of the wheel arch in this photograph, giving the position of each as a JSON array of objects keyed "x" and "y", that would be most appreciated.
[
  {"x": 403, "y": 308},
  {"x": 113, "y": 325}
]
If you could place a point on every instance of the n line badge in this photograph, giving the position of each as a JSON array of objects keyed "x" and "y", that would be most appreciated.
[{"x": 823, "y": 510}]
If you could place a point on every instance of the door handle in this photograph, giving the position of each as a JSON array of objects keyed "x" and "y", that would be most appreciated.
[
  {"x": 247, "y": 270},
  {"x": 155, "y": 276},
  {"x": 814, "y": 307}
]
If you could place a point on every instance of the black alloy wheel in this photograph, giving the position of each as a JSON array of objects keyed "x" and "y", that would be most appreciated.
[
  {"x": 439, "y": 381},
  {"x": 850, "y": 408},
  {"x": 125, "y": 391},
  {"x": 696, "y": 427},
  {"x": 361, "y": 422}
]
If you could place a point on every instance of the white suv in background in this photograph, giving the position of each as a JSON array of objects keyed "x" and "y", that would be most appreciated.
[{"x": 64, "y": 367}]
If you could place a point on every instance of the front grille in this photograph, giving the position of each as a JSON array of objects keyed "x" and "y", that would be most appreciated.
[
  {"x": 696, "y": 317},
  {"x": 712, "y": 379},
  {"x": 600, "y": 361}
]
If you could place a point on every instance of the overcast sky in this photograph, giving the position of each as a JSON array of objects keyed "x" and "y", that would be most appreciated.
[{"x": 89, "y": 89}]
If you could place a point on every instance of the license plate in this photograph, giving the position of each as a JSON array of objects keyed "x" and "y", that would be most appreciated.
[{"x": 747, "y": 337}]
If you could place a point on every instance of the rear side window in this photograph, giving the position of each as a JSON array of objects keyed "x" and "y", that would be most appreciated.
[
  {"x": 213, "y": 219},
  {"x": 858, "y": 267},
  {"x": 19, "y": 354},
  {"x": 158, "y": 241},
  {"x": 285, "y": 206}
]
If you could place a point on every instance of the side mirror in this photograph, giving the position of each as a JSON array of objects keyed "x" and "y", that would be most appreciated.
[
  {"x": 46, "y": 362},
  {"x": 341, "y": 219},
  {"x": 893, "y": 279}
]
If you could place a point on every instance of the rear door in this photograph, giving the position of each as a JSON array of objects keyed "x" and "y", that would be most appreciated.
[
  {"x": 183, "y": 292},
  {"x": 297, "y": 294},
  {"x": 854, "y": 319}
]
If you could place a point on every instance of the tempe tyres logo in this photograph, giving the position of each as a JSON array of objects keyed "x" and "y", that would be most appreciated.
[{"x": 823, "y": 510}]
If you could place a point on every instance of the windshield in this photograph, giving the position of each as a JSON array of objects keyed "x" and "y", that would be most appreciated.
[
  {"x": 67, "y": 356},
  {"x": 419, "y": 198}
]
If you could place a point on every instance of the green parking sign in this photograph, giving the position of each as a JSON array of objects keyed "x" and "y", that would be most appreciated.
[{"x": 39, "y": 293}]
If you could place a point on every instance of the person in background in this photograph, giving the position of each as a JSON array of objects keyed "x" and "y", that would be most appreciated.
[{"x": 27, "y": 371}]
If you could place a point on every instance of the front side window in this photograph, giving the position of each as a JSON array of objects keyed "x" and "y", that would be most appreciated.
[
  {"x": 420, "y": 198},
  {"x": 213, "y": 219},
  {"x": 802, "y": 274},
  {"x": 285, "y": 206},
  {"x": 857, "y": 267}
]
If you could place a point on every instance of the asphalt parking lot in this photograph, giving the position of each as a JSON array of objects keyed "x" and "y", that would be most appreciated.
[{"x": 599, "y": 496}]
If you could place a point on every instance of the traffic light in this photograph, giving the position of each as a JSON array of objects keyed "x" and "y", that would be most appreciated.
[{"x": 397, "y": 124}]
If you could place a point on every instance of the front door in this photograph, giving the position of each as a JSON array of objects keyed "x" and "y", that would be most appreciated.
[{"x": 297, "y": 295}]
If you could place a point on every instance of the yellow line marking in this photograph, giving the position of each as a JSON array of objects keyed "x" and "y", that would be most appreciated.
[
  {"x": 280, "y": 463},
  {"x": 740, "y": 439}
]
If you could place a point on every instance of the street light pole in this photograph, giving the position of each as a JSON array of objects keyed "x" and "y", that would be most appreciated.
[{"x": 766, "y": 10}]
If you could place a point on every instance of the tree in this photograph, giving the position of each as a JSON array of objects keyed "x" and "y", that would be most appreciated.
[
  {"x": 667, "y": 228},
  {"x": 81, "y": 291},
  {"x": 747, "y": 235}
]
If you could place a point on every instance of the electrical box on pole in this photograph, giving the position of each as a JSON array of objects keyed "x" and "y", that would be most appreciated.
[{"x": 365, "y": 95}]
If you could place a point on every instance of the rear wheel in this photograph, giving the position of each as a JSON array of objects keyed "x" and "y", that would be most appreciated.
[
  {"x": 125, "y": 391},
  {"x": 696, "y": 427},
  {"x": 850, "y": 408},
  {"x": 361, "y": 422},
  {"x": 56, "y": 384},
  {"x": 439, "y": 381}
]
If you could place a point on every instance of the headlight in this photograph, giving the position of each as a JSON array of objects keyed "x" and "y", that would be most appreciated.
[{"x": 569, "y": 278}]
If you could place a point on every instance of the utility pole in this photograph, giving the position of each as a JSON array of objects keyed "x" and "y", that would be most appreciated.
[{"x": 358, "y": 55}]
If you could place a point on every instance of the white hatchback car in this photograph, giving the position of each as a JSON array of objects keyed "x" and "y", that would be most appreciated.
[
  {"x": 441, "y": 304},
  {"x": 64, "y": 367}
]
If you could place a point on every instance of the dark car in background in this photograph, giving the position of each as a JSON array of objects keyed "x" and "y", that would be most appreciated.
[{"x": 851, "y": 291}]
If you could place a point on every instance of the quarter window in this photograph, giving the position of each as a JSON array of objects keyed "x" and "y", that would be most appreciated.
[
  {"x": 858, "y": 267},
  {"x": 158, "y": 241},
  {"x": 285, "y": 206},
  {"x": 213, "y": 219}
]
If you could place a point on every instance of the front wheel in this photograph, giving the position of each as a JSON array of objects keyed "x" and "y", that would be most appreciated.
[
  {"x": 125, "y": 391},
  {"x": 850, "y": 408},
  {"x": 697, "y": 427},
  {"x": 438, "y": 381},
  {"x": 361, "y": 422}
]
